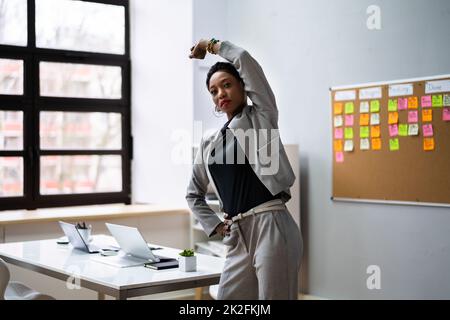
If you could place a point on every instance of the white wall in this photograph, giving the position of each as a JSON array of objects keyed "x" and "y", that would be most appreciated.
[
  {"x": 162, "y": 99},
  {"x": 307, "y": 46},
  {"x": 210, "y": 20}
]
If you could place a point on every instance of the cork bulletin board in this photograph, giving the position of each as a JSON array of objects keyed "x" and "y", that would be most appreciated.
[{"x": 391, "y": 141}]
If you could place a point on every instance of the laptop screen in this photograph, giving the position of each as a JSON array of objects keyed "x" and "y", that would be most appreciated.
[
  {"x": 131, "y": 241},
  {"x": 75, "y": 239}
]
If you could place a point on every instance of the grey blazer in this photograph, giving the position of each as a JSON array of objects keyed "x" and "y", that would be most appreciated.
[{"x": 256, "y": 130}]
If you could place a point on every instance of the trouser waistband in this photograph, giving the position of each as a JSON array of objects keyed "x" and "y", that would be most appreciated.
[{"x": 276, "y": 204}]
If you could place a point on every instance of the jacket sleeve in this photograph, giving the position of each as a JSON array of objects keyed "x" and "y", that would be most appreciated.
[
  {"x": 256, "y": 84},
  {"x": 195, "y": 196}
]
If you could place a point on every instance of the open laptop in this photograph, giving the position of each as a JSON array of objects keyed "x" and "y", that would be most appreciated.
[
  {"x": 135, "y": 250},
  {"x": 75, "y": 238}
]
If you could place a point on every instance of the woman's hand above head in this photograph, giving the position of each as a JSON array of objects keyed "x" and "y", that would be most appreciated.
[{"x": 198, "y": 51}]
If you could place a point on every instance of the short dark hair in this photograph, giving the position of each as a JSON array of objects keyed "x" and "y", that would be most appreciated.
[{"x": 223, "y": 66}]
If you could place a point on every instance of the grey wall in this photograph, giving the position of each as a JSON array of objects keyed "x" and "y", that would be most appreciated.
[{"x": 307, "y": 46}]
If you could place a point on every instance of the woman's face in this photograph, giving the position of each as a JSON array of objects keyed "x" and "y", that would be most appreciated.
[{"x": 227, "y": 92}]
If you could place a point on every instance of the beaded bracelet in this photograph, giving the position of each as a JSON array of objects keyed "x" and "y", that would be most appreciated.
[{"x": 211, "y": 44}]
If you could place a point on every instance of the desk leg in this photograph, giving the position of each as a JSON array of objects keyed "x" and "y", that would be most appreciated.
[
  {"x": 199, "y": 293},
  {"x": 100, "y": 296},
  {"x": 122, "y": 295}
]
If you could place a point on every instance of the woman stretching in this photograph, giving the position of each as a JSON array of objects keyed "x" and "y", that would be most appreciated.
[{"x": 247, "y": 167}]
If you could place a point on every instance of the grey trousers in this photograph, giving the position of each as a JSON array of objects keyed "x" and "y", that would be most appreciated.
[{"x": 263, "y": 260}]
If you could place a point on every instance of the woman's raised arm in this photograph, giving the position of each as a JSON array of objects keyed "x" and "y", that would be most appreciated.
[{"x": 256, "y": 84}]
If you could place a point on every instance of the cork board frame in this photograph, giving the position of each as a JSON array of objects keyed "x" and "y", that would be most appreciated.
[{"x": 409, "y": 175}]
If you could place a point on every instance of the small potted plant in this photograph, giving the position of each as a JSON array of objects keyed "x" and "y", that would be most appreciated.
[{"x": 187, "y": 261}]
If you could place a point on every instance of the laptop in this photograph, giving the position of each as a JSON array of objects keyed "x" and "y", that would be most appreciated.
[
  {"x": 135, "y": 250},
  {"x": 75, "y": 238}
]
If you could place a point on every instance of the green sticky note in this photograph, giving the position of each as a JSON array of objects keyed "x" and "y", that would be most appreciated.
[
  {"x": 436, "y": 100},
  {"x": 349, "y": 107},
  {"x": 392, "y": 105},
  {"x": 403, "y": 129},
  {"x": 364, "y": 132},
  {"x": 375, "y": 106},
  {"x": 394, "y": 145},
  {"x": 348, "y": 133}
]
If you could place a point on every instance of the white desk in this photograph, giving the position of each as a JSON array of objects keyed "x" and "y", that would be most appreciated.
[{"x": 63, "y": 262}]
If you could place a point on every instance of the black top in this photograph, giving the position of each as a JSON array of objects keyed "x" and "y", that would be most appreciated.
[{"x": 239, "y": 187}]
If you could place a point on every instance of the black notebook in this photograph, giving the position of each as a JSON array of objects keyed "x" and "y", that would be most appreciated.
[{"x": 165, "y": 263}]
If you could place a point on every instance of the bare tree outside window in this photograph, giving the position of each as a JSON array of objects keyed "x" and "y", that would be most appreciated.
[
  {"x": 82, "y": 26},
  {"x": 13, "y": 26},
  {"x": 11, "y": 76},
  {"x": 80, "y": 130},
  {"x": 80, "y": 80},
  {"x": 80, "y": 174}
]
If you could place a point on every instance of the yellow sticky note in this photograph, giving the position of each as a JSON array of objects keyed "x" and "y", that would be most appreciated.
[
  {"x": 428, "y": 144},
  {"x": 376, "y": 144},
  {"x": 364, "y": 119},
  {"x": 338, "y": 145},
  {"x": 375, "y": 131},
  {"x": 413, "y": 103},
  {"x": 349, "y": 107},
  {"x": 338, "y": 107},
  {"x": 394, "y": 144},
  {"x": 364, "y": 132},
  {"x": 375, "y": 106},
  {"x": 393, "y": 118},
  {"x": 427, "y": 115},
  {"x": 436, "y": 100},
  {"x": 392, "y": 105},
  {"x": 348, "y": 133},
  {"x": 403, "y": 129}
]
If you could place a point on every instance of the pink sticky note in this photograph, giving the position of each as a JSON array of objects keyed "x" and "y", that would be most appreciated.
[
  {"x": 339, "y": 156},
  {"x": 413, "y": 117},
  {"x": 393, "y": 130},
  {"x": 427, "y": 130},
  {"x": 446, "y": 114},
  {"x": 426, "y": 101},
  {"x": 402, "y": 104},
  {"x": 338, "y": 133},
  {"x": 349, "y": 120}
]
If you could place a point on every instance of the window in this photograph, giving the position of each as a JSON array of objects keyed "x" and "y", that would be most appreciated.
[{"x": 65, "y": 132}]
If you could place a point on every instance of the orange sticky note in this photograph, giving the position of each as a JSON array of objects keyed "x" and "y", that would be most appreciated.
[
  {"x": 376, "y": 144},
  {"x": 338, "y": 107},
  {"x": 393, "y": 118},
  {"x": 364, "y": 119},
  {"x": 427, "y": 115},
  {"x": 413, "y": 103},
  {"x": 428, "y": 144},
  {"x": 338, "y": 145},
  {"x": 375, "y": 131}
]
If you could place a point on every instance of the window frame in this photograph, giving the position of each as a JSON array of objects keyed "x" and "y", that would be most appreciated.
[{"x": 30, "y": 103}]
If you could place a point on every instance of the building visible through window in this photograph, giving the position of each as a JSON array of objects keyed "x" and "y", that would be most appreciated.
[{"x": 65, "y": 132}]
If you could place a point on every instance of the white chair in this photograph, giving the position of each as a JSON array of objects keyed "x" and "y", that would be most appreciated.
[{"x": 16, "y": 290}]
